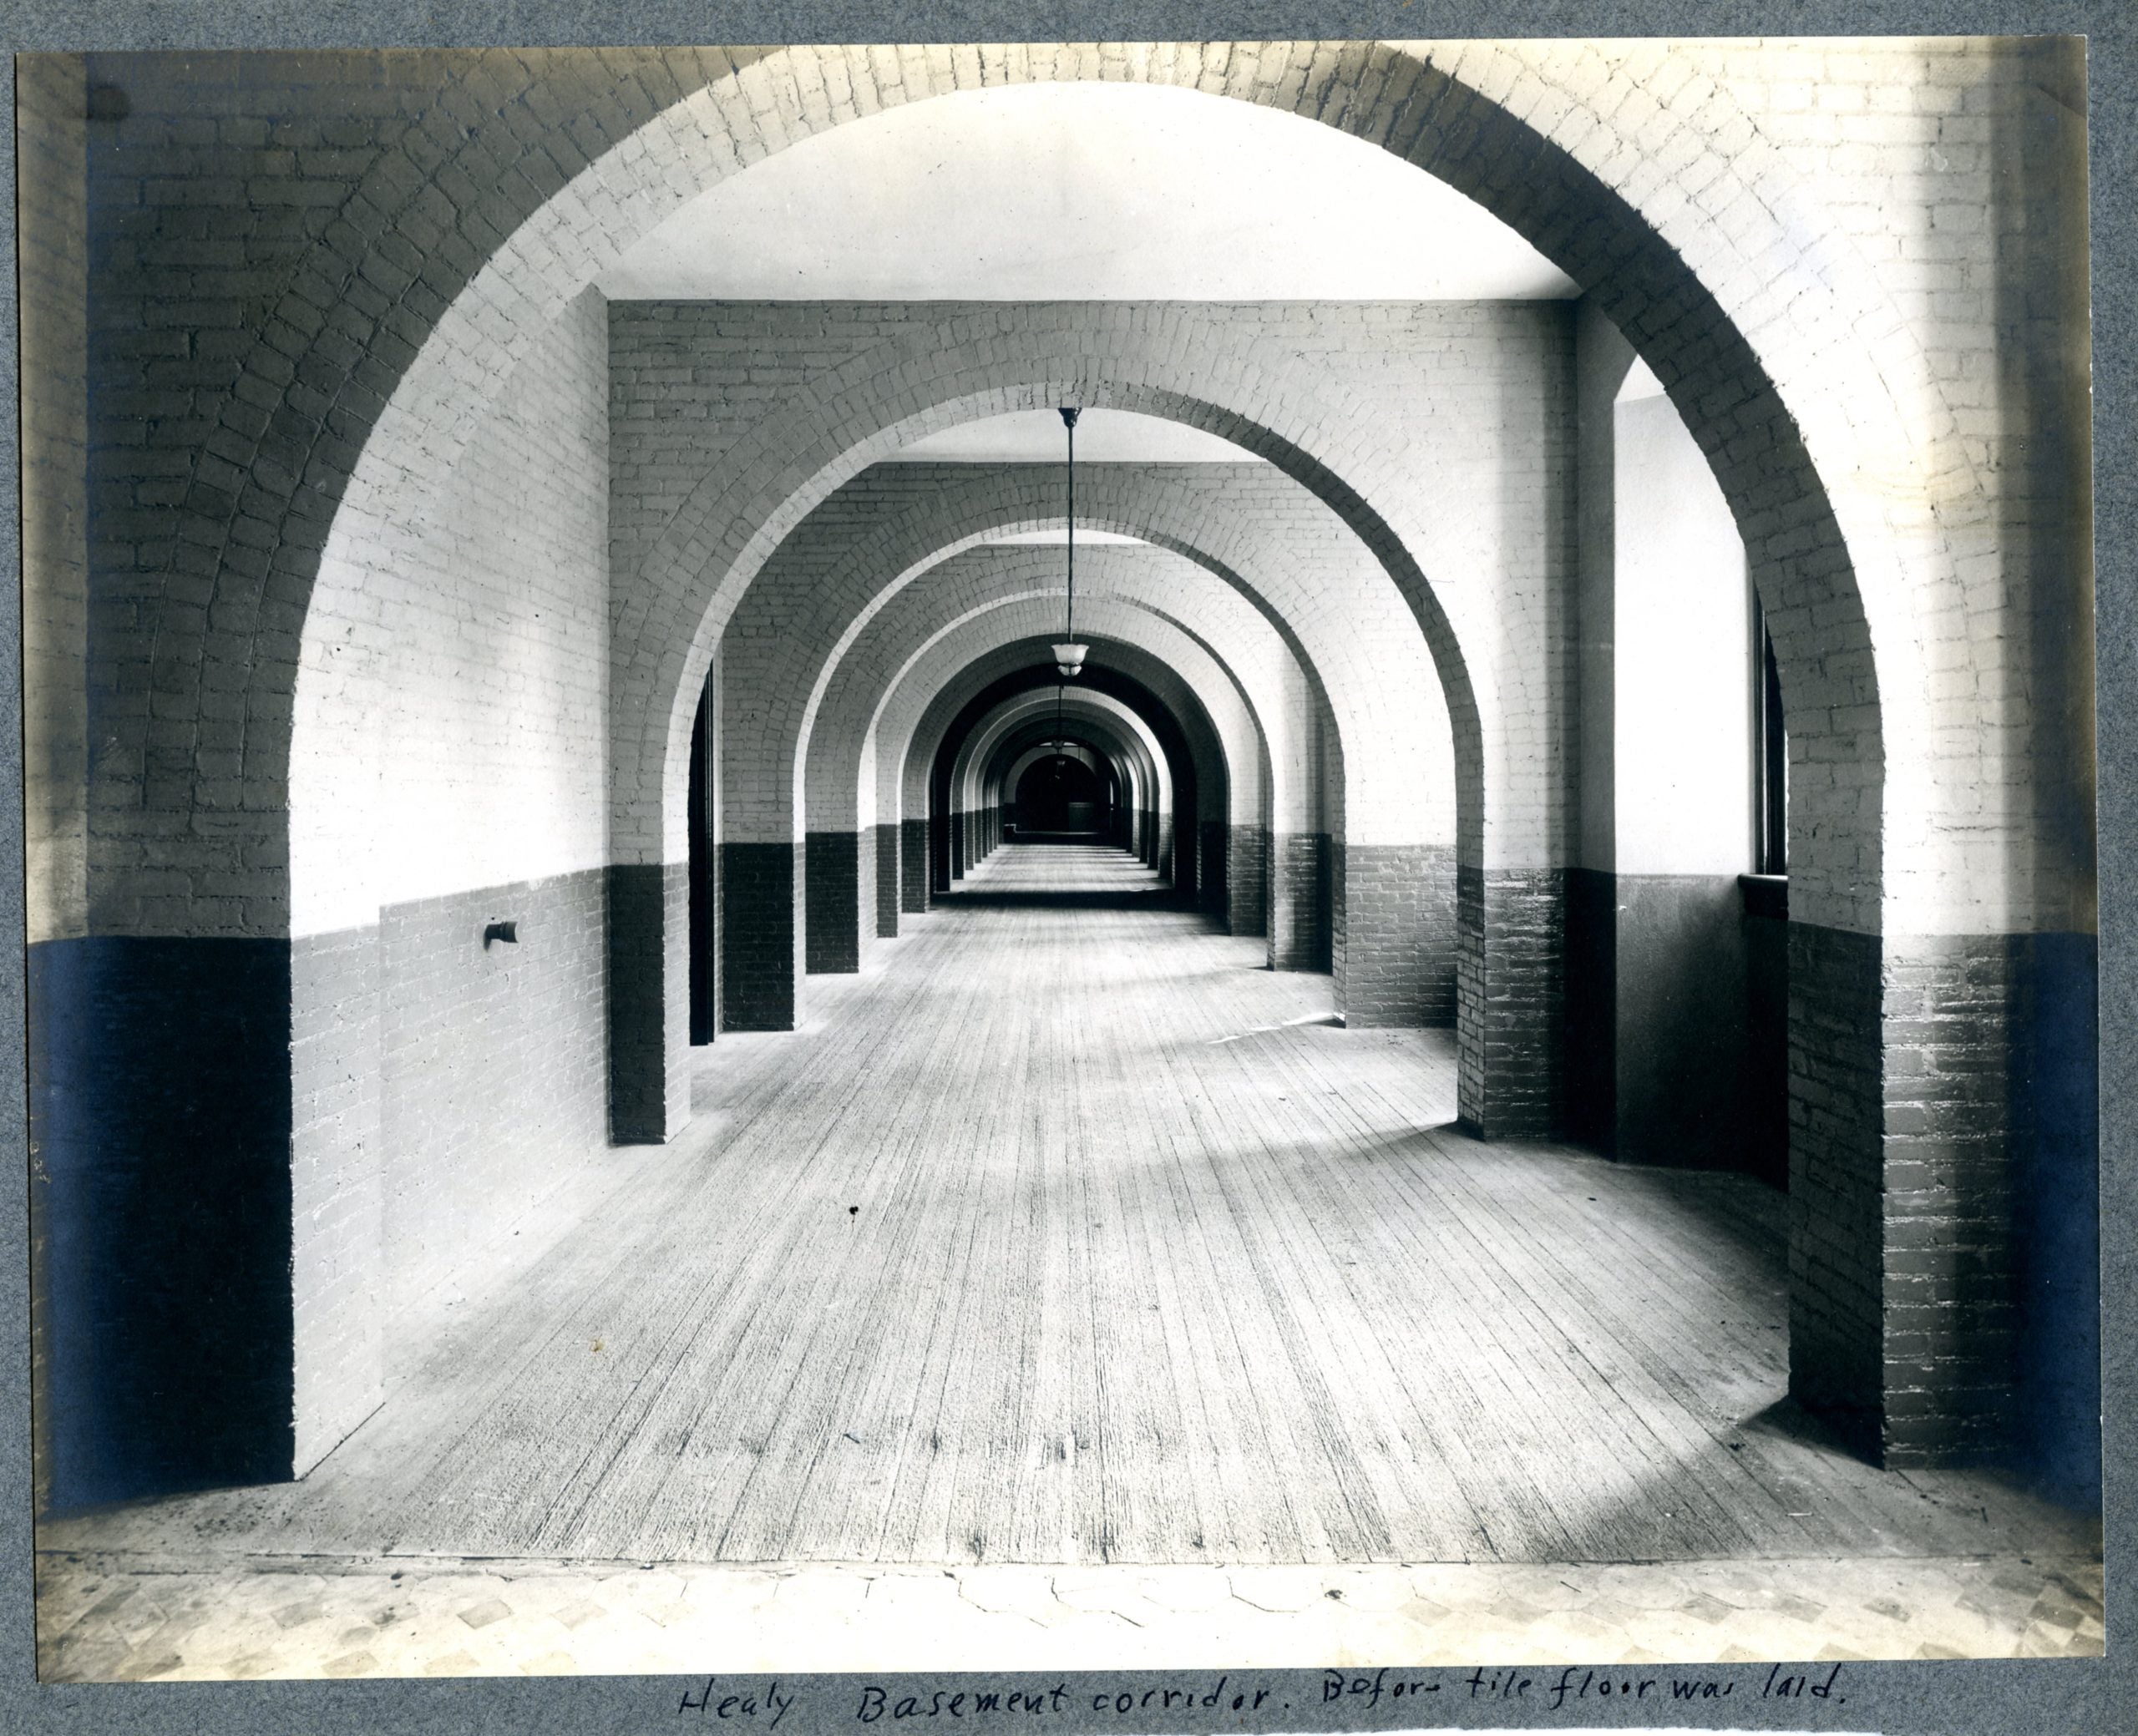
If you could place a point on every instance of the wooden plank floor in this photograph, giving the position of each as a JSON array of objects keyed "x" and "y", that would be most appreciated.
[{"x": 1066, "y": 1233}]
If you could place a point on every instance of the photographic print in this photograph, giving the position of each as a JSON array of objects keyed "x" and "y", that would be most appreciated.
[{"x": 1027, "y": 856}]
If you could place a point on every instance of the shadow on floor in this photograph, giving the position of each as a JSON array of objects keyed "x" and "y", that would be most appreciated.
[
  {"x": 1750, "y": 1214},
  {"x": 1785, "y": 1420}
]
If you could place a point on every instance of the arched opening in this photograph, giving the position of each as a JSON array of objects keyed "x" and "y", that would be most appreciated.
[
  {"x": 1062, "y": 796},
  {"x": 1029, "y": 705},
  {"x": 1678, "y": 1001},
  {"x": 1243, "y": 706}
]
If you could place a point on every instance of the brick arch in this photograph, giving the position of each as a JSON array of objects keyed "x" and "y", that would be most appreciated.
[
  {"x": 1267, "y": 686},
  {"x": 1030, "y": 743},
  {"x": 1011, "y": 641},
  {"x": 1015, "y": 769},
  {"x": 1801, "y": 561},
  {"x": 1261, "y": 535},
  {"x": 1178, "y": 766},
  {"x": 854, "y": 852},
  {"x": 1235, "y": 882},
  {"x": 1012, "y": 765},
  {"x": 995, "y": 652},
  {"x": 1788, "y": 392},
  {"x": 1221, "y": 615},
  {"x": 1165, "y": 732},
  {"x": 1017, "y": 753},
  {"x": 1240, "y": 721},
  {"x": 1017, "y": 671},
  {"x": 1329, "y": 894},
  {"x": 1003, "y": 783},
  {"x": 1138, "y": 747},
  {"x": 1159, "y": 787},
  {"x": 927, "y": 696}
]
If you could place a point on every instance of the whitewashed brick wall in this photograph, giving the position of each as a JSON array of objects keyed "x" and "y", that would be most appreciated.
[{"x": 449, "y": 719}]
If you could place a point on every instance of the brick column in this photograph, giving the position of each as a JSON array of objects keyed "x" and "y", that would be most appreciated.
[
  {"x": 162, "y": 1197},
  {"x": 1247, "y": 884},
  {"x": 1211, "y": 861},
  {"x": 1392, "y": 939},
  {"x": 833, "y": 885},
  {"x": 1942, "y": 1162},
  {"x": 1510, "y": 930},
  {"x": 1836, "y": 1298},
  {"x": 649, "y": 1002},
  {"x": 913, "y": 867},
  {"x": 2055, "y": 1183},
  {"x": 1298, "y": 901},
  {"x": 761, "y": 892},
  {"x": 942, "y": 858},
  {"x": 890, "y": 881}
]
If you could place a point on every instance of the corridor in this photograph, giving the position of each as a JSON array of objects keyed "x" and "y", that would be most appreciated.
[
  {"x": 1065, "y": 1234},
  {"x": 594, "y": 1099}
]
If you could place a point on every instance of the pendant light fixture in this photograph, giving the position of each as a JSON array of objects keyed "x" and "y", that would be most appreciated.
[{"x": 1069, "y": 655}]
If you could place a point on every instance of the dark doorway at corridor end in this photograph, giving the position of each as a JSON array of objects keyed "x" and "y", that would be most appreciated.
[{"x": 1060, "y": 800}]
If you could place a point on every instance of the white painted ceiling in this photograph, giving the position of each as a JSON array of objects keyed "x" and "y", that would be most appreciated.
[
  {"x": 1103, "y": 437},
  {"x": 1083, "y": 192},
  {"x": 1040, "y": 538}
]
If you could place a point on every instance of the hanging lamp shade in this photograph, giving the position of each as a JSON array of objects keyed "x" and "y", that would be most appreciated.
[{"x": 1069, "y": 654}]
